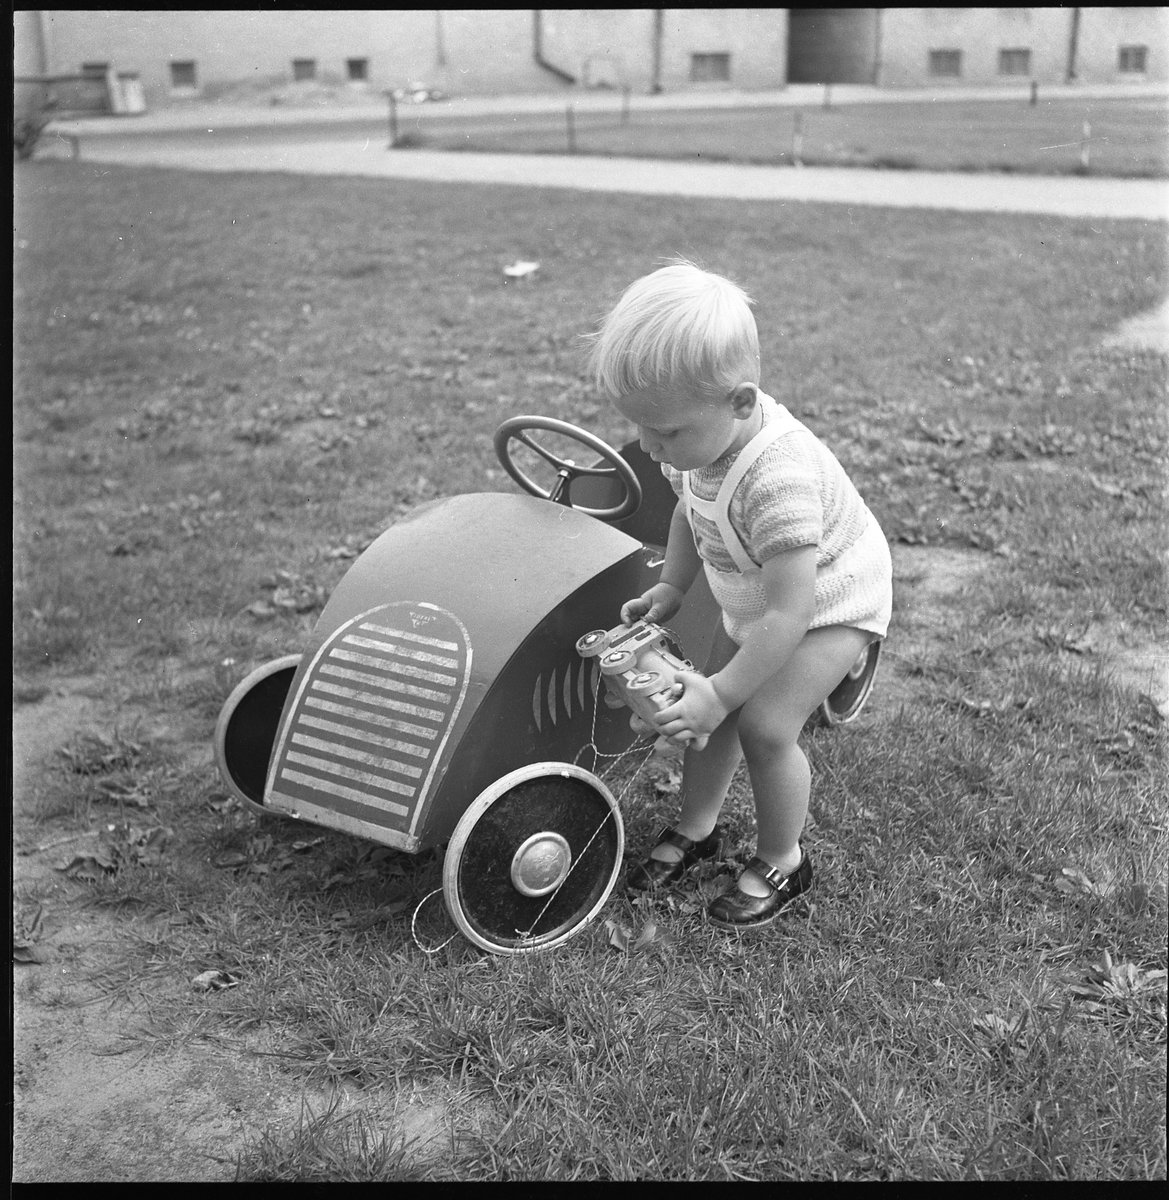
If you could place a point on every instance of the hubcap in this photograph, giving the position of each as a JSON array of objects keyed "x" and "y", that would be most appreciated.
[{"x": 541, "y": 864}]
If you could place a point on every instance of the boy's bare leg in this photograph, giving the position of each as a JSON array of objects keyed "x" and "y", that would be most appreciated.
[
  {"x": 768, "y": 728},
  {"x": 707, "y": 774}
]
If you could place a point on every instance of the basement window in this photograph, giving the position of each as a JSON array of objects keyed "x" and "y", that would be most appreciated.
[
  {"x": 182, "y": 76},
  {"x": 358, "y": 69},
  {"x": 946, "y": 63},
  {"x": 1014, "y": 62},
  {"x": 304, "y": 69},
  {"x": 1134, "y": 59},
  {"x": 710, "y": 68}
]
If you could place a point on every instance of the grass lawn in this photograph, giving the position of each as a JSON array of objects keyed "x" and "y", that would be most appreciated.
[
  {"x": 1126, "y": 137},
  {"x": 226, "y": 385}
]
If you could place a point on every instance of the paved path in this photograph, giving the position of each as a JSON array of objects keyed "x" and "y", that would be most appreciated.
[
  {"x": 348, "y": 107},
  {"x": 1068, "y": 196},
  {"x": 170, "y": 138}
]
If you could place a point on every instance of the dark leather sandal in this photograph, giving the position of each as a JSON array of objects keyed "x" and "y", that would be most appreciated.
[
  {"x": 736, "y": 910},
  {"x": 653, "y": 873}
]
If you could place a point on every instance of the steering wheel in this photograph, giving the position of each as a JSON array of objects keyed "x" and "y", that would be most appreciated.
[{"x": 566, "y": 469}]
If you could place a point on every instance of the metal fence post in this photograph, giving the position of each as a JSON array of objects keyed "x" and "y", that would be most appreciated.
[
  {"x": 625, "y": 104},
  {"x": 798, "y": 139},
  {"x": 1034, "y": 93},
  {"x": 568, "y": 121},
  {"x": 1085, "y": 151},
  {"x": 393, "y": 120}
]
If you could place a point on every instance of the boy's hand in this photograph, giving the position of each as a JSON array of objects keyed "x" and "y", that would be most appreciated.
[
  {"x": 660, "y": 603},
  {"x": 695, "y": 714}
]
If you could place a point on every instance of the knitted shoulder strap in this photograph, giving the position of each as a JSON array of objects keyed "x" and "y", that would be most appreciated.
[{"x": 781, "y": 422}]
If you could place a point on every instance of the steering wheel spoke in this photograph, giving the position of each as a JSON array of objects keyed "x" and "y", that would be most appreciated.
[
  {"x": 558, "y": 464},
  {"x": 517, "y": 429}
]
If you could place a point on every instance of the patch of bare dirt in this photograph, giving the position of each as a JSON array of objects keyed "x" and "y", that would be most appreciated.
[
  {"x": 1146, "y": 331},
  {"x": 929, "y": 586},
  {"x": 96, "y": 1097}
]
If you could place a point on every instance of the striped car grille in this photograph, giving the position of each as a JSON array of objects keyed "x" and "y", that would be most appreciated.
[{"x": 368, "y": 729}]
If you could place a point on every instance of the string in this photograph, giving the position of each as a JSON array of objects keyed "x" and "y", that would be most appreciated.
[
  {"x": 526, "y": 934},
  {"x": 611, "y": 771},
  {"x": 414, "y": 927}
]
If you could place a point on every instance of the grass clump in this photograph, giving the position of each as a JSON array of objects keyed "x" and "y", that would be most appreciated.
[{"x": 331, "y": 1147}]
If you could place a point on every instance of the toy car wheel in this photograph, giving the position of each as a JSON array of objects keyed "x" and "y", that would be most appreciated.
[
  {"x": 246, "y": 730},
  {"x": 647, "y": 681},
  {"x": 617, "y": 661},
  {"x": 533, "y": 859},
  {"x": 593, "y": 644},
  {"x": 849, "y": 696}
]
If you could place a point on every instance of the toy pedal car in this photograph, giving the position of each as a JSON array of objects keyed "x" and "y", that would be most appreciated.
[{"x": 441, "y": 700}]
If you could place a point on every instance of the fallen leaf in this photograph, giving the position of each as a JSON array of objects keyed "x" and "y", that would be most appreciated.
[
  {"x": 618, "y": 936},
  {"x": 521, "y": 269},
  {"x": 665, "y": 775},
  {"x": 147, "y": 846},
  {"x": 648, "y": 934},
  {"x": 1109, "y": 489},
  {"x": 237, "y": 858},
  {"x": 124, "y": 793},
  {"x": 214, "y": 981},
  {"x": 1072, "y": 879},
  {"x": 1119, "y": 743},
  {"x": 92, "y": 866}
]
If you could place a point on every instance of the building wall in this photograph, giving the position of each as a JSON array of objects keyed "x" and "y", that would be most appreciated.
[
  {"x": 483, "y": 52},
  {"x": 490, "y": 52},
  {"x": 908, "y": 35},
  {"x": 1104, "y": 30},
  {"x": 27, "y": 57},
  {"x": 979, "y": 34},
  {"x": 240, "y": 47},
  {"x": 755, "y": 39}
]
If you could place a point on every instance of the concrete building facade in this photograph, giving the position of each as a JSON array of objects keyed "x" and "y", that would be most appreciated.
[
  {"x": 183, "y": 54},
  {"x": 186, "y": 54},
  {"x": 1002, "y": 46}
]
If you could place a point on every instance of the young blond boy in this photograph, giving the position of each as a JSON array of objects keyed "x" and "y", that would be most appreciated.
[{"x": 796, "y": 561}]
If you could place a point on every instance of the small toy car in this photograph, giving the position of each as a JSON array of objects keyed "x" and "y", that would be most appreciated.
[
  {"x": 441, "y": 700},
  {"x": 639, "y": 663}
]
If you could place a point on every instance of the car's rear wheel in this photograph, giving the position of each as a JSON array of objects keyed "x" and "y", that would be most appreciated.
[{"x": 849, "y": 696}]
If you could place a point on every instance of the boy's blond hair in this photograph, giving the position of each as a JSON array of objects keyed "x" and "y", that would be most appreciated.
[{"x": 678, "y": 325}]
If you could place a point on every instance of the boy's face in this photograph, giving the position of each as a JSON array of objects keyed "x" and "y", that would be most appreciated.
[{"x": 680, "y": 426}]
